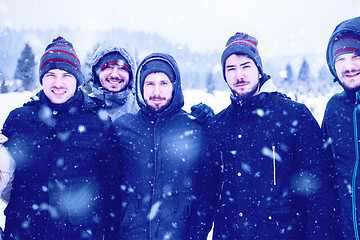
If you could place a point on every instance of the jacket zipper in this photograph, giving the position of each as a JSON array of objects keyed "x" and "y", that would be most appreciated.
[{"x": 274, "y": 165}]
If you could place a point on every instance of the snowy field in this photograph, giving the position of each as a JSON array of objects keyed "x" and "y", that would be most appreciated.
[{"x": 218, "y": 101}]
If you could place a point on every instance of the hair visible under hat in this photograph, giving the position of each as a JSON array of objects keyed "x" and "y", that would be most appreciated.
[{"x": 60, "y": 54}]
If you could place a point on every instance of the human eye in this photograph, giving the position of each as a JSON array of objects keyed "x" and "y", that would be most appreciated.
[
  {"x": 49, "y": 74},
  {"x": 67, "y": 75},
  {"x": 108, "y": 68},
  {"x": 230, "y": 68},
  {"x": 338, "y": 59}
]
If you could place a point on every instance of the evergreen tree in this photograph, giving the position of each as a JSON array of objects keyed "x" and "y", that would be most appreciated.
[
  {"x": 324, "y": 73},
  {"x": 210, "y": 83},
  {"x": 87, "y": 74},
  {"x": 289, "y": 73},
  {"x": 3, "y": 86},
  {"x": 25, "y": 68},
  {"x": 304, "y": 73}
]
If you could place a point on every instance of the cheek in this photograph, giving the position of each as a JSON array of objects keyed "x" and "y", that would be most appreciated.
[
  {"x": 229, "y": 77},
  {"x": 147, "y": 92},
  {"x": 102, "y": 76},
  {"x": 339, "y": 65}
]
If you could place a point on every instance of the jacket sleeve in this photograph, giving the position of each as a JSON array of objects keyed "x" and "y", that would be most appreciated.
[
  {"x": 7, "y": 163},
  {"x": 7, "y": 168},
  {"x": 207, "y": 190},
  {"x": 316, "y": 177}
]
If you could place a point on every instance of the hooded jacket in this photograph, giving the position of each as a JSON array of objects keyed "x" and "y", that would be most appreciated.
[
  {"x": 351, "y": 25},
  {"x": 115, "y": 103},
  {"x": 160, "y": 155},
  {"x": 340, "y": 125},
  {"x": 263, "y": 173},
  {"x": 65, "y": 157}
]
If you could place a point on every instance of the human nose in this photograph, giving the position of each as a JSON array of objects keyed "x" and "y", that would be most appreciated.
[
  {"x": 57, "y": 82},
  {"x": 157, "y": 89},
  {"x": 114, "y": 71},
  {"x": 349, "y": 64},
  {"x": 239, "y": 74}
]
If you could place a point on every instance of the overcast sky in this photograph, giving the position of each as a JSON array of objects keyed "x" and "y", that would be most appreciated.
[{"x": 281, "y": 26}]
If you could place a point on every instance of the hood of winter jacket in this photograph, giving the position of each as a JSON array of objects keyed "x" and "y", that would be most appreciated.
[
  {"x": 178, "y": 97},
  {"x": 350, "y": 25},
  {"x": 105, "y": 48}
]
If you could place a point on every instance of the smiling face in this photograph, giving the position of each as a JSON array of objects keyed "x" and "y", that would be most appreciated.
[
  {"x": 59, "y": 85},
  {"x": 347, "y": 68},
  {"x": 114, "y": 78},
  {"x": 158, "y": 91},
  {"x": 242, "y": 76}
]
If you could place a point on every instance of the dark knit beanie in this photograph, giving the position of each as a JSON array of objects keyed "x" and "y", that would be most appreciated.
[
  {"x": 155, "y": 66},
  {"x": 242, "y": 43},
  {"x": 111, "y": 58},
  {"x": 60, "y": 54},
  {"x": 345, "y": 43}
]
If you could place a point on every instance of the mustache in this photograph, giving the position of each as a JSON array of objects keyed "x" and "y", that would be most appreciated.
[
  {"x": 351, "y": 71},
  {"x": 239, "y": 82},
  {"x": 156, "y": 97},
  {"x": 115, "y": 78}
]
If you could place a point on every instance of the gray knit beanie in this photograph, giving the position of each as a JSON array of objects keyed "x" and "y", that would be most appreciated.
[{"x": 60, "y": 54}]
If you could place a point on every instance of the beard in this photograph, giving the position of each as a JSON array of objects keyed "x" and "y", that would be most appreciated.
[
  {"x": 245, "y": 95},
  {"x": 345, "y": 86}
]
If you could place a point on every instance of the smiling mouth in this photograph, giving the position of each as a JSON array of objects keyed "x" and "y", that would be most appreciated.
[
  {"x": 352, "y": 75},
  {"x": 58, "y": 91},
  {"x": 114, "y": 81}
]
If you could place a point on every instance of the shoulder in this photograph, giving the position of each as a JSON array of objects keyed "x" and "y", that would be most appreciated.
[
  {"x": 92, "y": 103},
  {"x": 19, "y": 118},
  {"x": 337, "y": 103},
  {"x": 23, "y": 112},
  {"x": 286, "y": 104},
  {"x": 338, "y": 98},
  {"x": 126, "y": 120}
]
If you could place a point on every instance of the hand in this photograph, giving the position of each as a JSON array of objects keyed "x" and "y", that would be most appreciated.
[
  {"x": 3, "y": 139},
  {"x": 201, "y": 112}
]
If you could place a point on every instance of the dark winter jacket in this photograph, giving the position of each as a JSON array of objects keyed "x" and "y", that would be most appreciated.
[
  {"x": 339, "y": 125},
  {"x": 115, "y": 103},
  {"x": 161, "y": 152},
  {"x": 264, "y": 174},
  {"x": 64, "y": 157}
]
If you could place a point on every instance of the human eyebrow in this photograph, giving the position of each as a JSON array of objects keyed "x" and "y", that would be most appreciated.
[
  {"x": 230, "y": 66},
  {"x": 245, "y": 63}
]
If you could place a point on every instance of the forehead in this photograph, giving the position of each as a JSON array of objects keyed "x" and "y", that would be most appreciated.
[
  {"x": 59, "y": 71},
  {"x": 157, "y": 76},
  {"x": 238, "y": 58},
  {"x": 347, "y": 55}
]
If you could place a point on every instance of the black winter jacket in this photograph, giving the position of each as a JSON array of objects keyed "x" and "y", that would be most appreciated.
[
  {"x": 338, "y": 126},
  {"x": 264, "y": 174},
  {"x": 64, "y": 161},
  {"x": 160, "y": 155}
]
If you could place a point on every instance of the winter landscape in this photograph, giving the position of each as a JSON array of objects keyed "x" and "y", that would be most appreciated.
[{"x": 292, "y": 41}]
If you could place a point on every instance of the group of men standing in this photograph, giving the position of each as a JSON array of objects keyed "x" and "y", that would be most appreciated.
[{"x": 127, "y": 162}]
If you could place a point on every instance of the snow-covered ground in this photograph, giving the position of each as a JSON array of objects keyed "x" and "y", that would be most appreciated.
[{"x": 316, "y": 102}]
